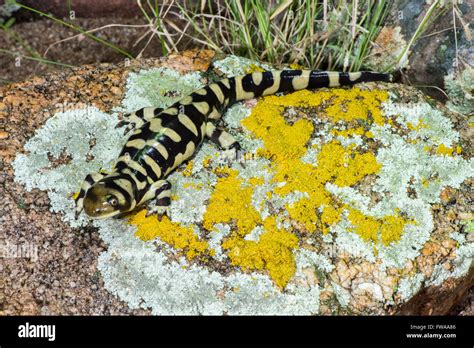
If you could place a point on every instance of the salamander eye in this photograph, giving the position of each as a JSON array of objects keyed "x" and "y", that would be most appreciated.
[{"x": 112, "y": 200}]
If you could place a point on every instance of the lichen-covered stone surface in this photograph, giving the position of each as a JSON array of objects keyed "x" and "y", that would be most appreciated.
[{"x": 345, "y": 201}]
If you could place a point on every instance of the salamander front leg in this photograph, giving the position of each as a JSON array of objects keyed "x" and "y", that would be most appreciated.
[
  {"x": 90, "y": 180},
  {"x": 161, "y": 191},
  {"x": 224, "y": 140},
  {"x": 136, "y": 119}
]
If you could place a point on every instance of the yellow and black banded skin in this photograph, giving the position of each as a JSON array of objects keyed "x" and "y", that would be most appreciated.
[{"x": 163, "y": 139}]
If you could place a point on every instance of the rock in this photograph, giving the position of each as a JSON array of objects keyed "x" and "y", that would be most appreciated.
[
  {"x": 434, "y": 56},
  {"x": 361, "y": 245}
]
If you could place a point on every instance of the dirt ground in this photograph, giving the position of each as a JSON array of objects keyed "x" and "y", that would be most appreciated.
[{"x": 39, "y": 35}]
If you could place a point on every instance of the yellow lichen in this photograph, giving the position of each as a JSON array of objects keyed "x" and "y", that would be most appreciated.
[
  {"x": 193, "y": 185},
  {"x": 256, "y": 181},
  {"x": 425, "y": 182},
  {"x": 357, "y": 104},
  {"x": 231, "y": 202},
  {"x": 272, "y": 252},
  {"x": 389, "y": 228},
  {"x": 286, "y": 143},
  {"x": 444, "y": 150},
  {"x": 181, "y": 238},
  {"x": 188, "y": 170}
]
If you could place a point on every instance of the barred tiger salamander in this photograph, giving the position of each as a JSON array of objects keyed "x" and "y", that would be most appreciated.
[{"x": 163, "y": 139}]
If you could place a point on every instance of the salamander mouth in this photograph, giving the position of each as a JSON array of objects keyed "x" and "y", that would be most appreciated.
[
  {"x": 99, "y": 214},
  {"x": 104, "y": 216},
  {"x": 98, "y": 202}
]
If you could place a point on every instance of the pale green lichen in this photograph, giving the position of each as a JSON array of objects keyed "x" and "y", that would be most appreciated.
[
  {"x": 403, "y": 162},
  {"x": 158, "y": 87},
  {"x": 342, "y": 295},
  {"x": 70, "y": 134},
  {"x": 351, "y": 242},
  {"x": 216, "y": 237},
  {"x": 461, "y": 91},
  {"x": 426, "y": 124}
]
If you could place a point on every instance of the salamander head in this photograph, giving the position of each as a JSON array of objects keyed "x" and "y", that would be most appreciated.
[{"x": 108, "y": 197}]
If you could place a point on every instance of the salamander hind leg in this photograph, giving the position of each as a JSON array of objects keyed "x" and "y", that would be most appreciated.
[
  {"x": 225, "y": 141},
  {"x": 161, "y": 192},
  {"x": 90, "y": 180},
  {"x": 138, "y": 118}
]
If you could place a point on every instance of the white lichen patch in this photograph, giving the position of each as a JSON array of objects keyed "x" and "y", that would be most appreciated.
[
  {"x": 192, "y": 193},
  {"x": 430, "y": 125},
  {"x": 308, "y": 258},
  {"x": 342, "y": 295},
  {"x": 89, "y": 140},
  {"x": 409, "y": 286},
  {"x": 351, "y": 242},
  {"x": 255, "y": 234},
  {"x": 157, "y": 87}
]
